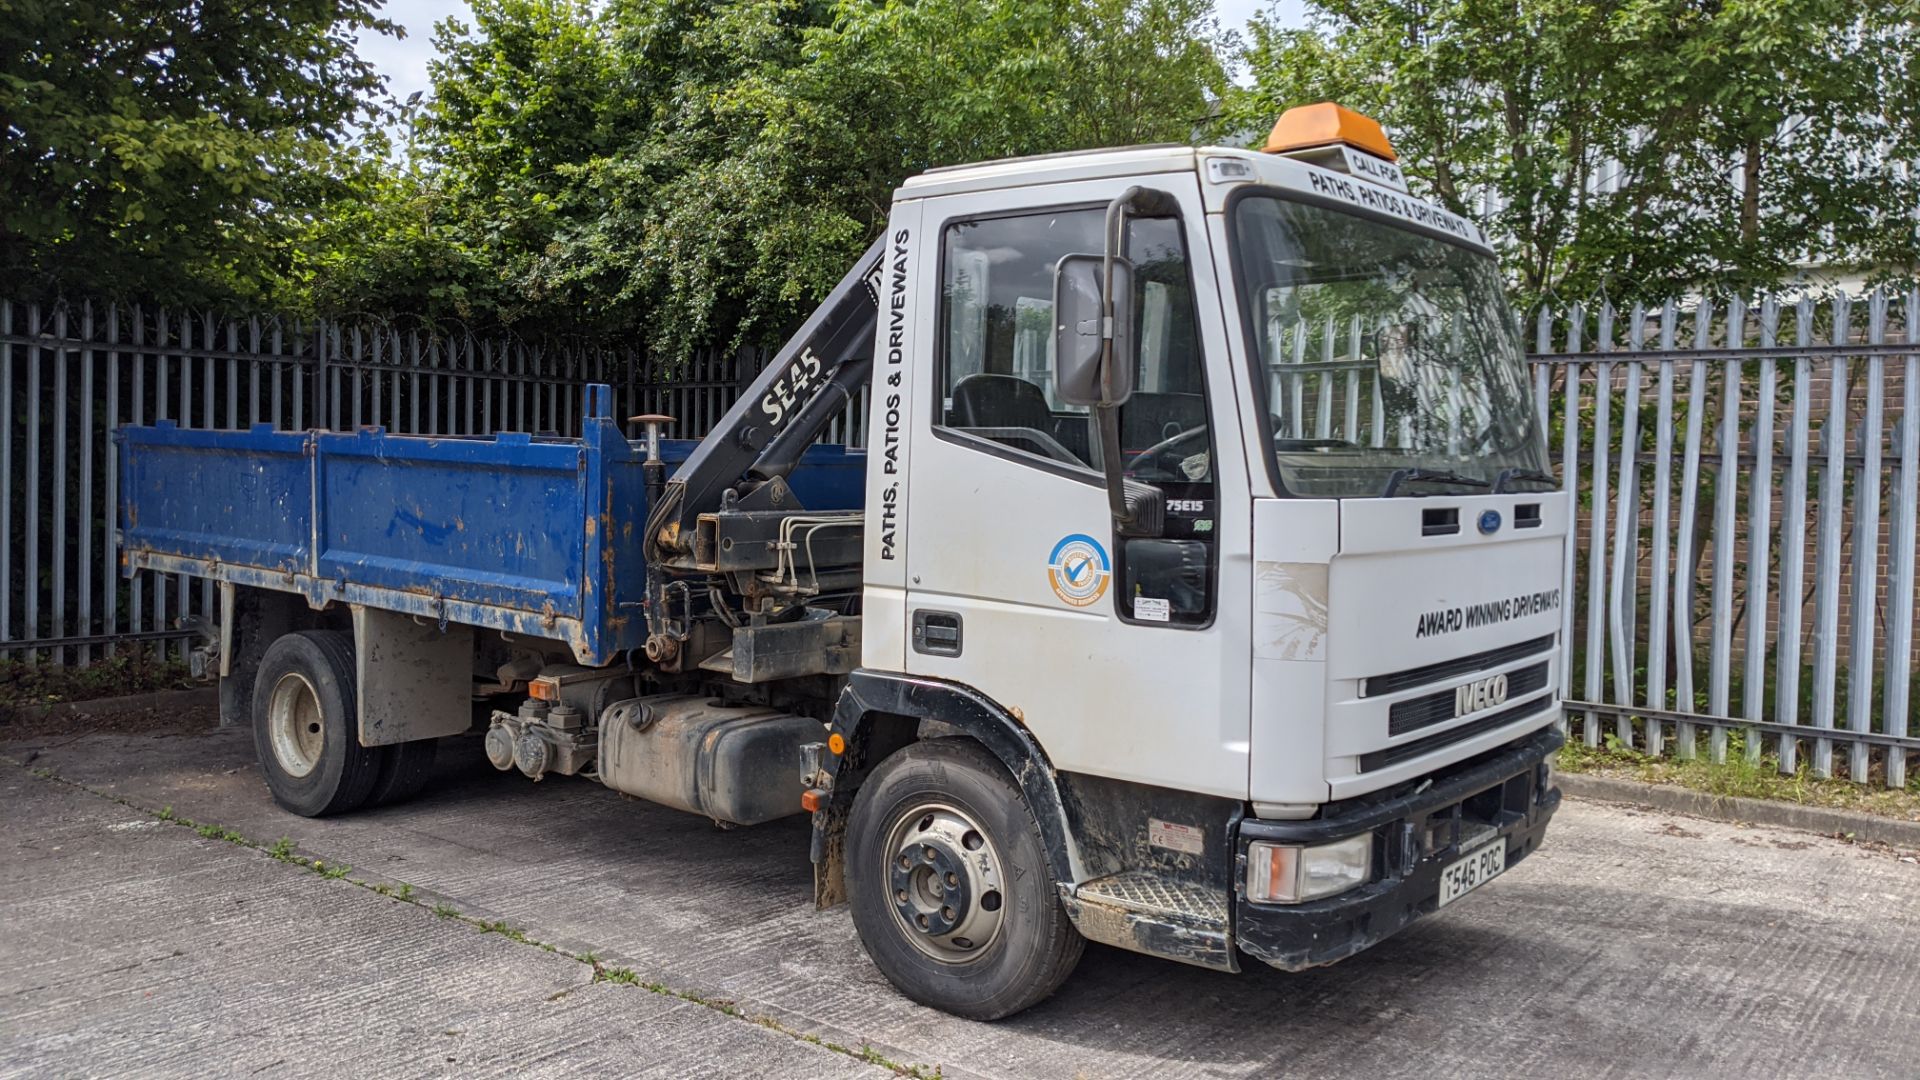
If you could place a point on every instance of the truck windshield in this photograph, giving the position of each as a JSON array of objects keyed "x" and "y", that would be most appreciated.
[{"x": 1381, "y": 350}]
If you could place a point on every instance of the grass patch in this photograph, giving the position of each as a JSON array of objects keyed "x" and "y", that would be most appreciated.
[{"x": 1738, "y": 777}]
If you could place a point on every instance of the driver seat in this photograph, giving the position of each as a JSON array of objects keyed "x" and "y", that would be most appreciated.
[{"x": 984, "y": 400}]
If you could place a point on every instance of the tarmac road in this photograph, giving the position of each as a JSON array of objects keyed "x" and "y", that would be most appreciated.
[{"x": 1632, "y": 944}]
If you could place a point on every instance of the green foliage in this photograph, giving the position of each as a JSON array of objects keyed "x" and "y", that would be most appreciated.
[
  {"x": 692, "y": 173},
  {"x": 164, "y": 149},
  {"x": 1734, "y": 138},
  {"x": 706, "y": 171}
]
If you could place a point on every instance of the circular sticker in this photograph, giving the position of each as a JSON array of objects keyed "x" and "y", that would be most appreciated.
[
  {"x": 1490, "y": 521},
  {"x": 1078, "y": 570}
]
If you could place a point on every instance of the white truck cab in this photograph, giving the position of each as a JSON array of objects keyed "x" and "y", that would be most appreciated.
[{"x": 1262, "y": 704}]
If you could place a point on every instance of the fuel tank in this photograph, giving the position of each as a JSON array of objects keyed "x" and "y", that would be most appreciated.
[{"x": 740, "y": 765}]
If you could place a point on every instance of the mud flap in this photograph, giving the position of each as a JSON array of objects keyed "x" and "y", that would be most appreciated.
[{"x": 414, "y": 681}]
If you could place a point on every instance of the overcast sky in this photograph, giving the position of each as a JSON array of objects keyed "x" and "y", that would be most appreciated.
[{"x": 404, "y": 63}]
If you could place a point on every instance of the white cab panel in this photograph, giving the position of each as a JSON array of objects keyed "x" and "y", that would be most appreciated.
[
  {"x": 1474, "y": 590},
  {"x": 901, "y": 336},
  {"x": 1406, "y": 596},
  {"x": 1153, "y": 703},
  {"x": 1294, "y": 541}
]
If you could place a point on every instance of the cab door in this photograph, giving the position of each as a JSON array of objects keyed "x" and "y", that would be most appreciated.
[{"x": 1125, "y": 657}]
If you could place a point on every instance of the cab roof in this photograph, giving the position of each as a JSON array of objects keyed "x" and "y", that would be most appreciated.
[{"x": 1311, "y": 181}]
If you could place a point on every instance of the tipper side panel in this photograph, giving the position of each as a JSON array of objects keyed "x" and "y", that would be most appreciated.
[
  {"x": 533, "y": 536},
  {"x": 217, "y": 497}
]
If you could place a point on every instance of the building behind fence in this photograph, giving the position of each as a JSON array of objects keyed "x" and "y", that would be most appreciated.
[{"x": 1749, "y": 470}]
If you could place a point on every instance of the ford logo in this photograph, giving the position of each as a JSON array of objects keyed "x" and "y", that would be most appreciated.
[{"x": 1489, "y": 521}]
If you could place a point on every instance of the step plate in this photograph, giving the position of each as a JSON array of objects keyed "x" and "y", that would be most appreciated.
[
  {"x": 1146, "y": 891},
  {"x": 1145, "y": 912}
]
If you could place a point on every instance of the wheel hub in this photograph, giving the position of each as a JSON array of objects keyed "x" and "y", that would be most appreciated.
[
  {"x": 297, "y": 730},
  {"x": 944, "y": 875}
]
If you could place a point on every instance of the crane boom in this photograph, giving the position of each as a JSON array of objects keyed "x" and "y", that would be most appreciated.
[{"x": 783, "y": 411}]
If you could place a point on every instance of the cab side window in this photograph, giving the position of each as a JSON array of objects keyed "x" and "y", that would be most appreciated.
[
  {"x": 997, "y": 331},
  {"x": 996, "y": 383}
]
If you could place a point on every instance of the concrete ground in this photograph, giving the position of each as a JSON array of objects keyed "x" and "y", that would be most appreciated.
[{"x": 1633, "y": 944}]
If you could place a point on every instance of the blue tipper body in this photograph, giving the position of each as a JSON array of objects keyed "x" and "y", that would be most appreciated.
[{"x": 531, "y": 535}]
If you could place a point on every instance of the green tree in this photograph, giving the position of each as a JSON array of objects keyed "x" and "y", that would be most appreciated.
[
  {"x": 1633, "y": 147},
  {"x": 165, "y": 148},
  {"x": 702, "y": 171}
]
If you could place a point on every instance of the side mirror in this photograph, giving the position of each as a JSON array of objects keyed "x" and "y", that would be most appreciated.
[{"x": 1078, "y": 318}]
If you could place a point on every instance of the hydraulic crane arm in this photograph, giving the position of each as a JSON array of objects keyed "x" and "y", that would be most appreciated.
[{"x": 793, "y": 399}]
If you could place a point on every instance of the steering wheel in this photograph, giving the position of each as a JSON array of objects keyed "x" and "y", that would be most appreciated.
[{"x": 1162, "y": 461}]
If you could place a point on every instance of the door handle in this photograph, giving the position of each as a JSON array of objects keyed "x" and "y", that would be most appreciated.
[{"x": 936, "y": 633}]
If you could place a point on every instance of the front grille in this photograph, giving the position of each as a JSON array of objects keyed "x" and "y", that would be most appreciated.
[
  {"x": 1431, "y": 709},
  {"x": 1376, "y": 685},
  {"x": 1407, "y": 751}
]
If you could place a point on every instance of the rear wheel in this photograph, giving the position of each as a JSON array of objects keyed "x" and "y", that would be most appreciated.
[
  {"x": 404, "y": 769},
  {"x": 949, "y": 884},
  {"x": 306, "y": 725}
]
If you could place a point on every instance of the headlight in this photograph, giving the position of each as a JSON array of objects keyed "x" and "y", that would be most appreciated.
[{"x": 1285, "y": 874}]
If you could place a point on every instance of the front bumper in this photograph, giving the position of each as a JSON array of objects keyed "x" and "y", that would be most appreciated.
[{"x": 1504, "y": 794}]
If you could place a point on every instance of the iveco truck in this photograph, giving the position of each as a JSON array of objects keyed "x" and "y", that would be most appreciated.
[{"x": 1196, "y": 590}]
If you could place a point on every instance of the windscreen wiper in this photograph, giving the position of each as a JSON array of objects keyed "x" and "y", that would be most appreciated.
[
  {"x": 1428, "y": 476},
  {"x": 1508, "y": 476}
]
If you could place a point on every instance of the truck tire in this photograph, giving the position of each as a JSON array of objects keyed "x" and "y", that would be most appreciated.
[
  {"x": 404, "y": 769},
  {"x": 306, "y": 725},
  {"x": 950, "y": 886}
]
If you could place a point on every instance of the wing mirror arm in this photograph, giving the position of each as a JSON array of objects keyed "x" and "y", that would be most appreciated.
[{"x": 1094, "y": 349}]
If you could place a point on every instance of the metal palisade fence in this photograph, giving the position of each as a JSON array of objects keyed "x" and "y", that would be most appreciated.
[
  {"x": 1741, "y": 574},
  {"x": 70, "y": 374}
]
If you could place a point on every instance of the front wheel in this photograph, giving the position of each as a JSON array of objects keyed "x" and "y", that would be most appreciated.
[{"x": 950, "y": 887}]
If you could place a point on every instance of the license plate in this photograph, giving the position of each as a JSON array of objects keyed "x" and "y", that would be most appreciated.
[{"x": 1464, "y": 875}]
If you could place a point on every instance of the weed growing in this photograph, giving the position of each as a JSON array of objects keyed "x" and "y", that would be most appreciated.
[{"x": 1739, "y": 776}]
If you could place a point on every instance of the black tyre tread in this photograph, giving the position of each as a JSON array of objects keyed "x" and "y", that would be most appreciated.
[
  {"x": 358, "y": 766},
  {"x": 1060, "y": 945},
  {"x": 404, "y": 770},
  {"x": 363, "y": 766}
]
